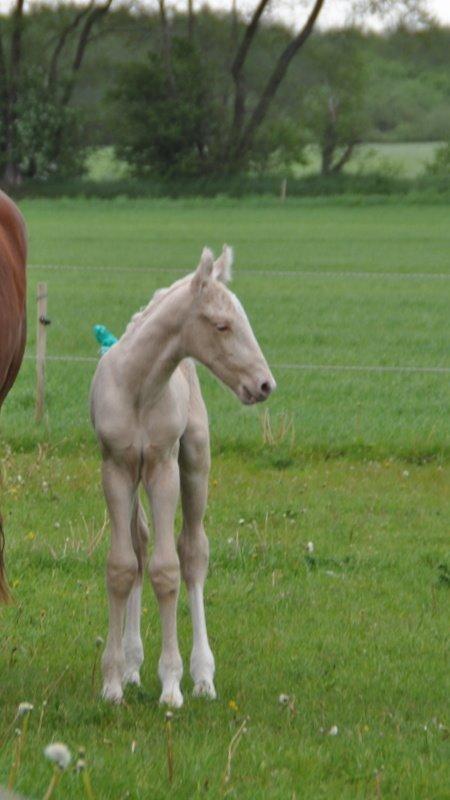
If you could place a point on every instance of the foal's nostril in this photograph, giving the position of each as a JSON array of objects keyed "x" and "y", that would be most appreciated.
[{"x": 266, "y": 388}]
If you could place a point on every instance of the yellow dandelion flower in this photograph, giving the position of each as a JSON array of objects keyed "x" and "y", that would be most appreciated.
[{"x": 233, "y": 706}]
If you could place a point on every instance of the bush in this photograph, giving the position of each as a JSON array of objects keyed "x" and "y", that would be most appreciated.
[
  {"x": 47, "y": 137},
  {"x": 167, "y": 120},
  {"x": 440, "y": 166}
]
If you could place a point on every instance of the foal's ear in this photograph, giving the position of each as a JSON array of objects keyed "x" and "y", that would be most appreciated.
[
  {"x": 204, "y": 270},
  {"x": 222, "y": 267}
]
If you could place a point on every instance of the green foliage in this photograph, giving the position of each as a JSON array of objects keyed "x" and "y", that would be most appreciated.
[
  {"x": 409, "y": 84},
  {"x": 167, "y": 121},
  {"x": 440, "y": 165},
  {"x": 333, "y": 106},
  {"x": 279, "y": 144},
  {"x": 48, "y": 138}
]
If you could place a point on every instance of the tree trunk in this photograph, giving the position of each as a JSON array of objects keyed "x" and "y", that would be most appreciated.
[
  {"x": 167, "y": 45},
  {"x": 11, "y": 174},
  {"x": 190, "y": 20},
  {"x": 237, "y": 71},
  {"x": 346, "y": 156},
  {"x": 272, "y": 85},
  {"x": 328, "y": 147},
  {"x": 94, "y": 15}
]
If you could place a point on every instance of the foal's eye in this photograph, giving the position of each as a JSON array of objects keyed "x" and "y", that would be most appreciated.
[{"x": 222, "y": 326}]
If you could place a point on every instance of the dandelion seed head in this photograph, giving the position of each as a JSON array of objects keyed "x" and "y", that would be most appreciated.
[
  {"x": 168, "y": 716},
  {"x": 24, "y": 708},
  {"x": 59, "y": 754},
  {"x": 333, "y": 731},
  {"x": 283, "y": 699},
  {"x": 309, "y": 547}
]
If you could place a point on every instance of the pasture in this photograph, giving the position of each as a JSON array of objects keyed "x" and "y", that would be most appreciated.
[{"x": 350, "y": 304}]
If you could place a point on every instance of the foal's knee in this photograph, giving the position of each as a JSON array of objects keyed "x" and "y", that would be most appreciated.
[
  {"x": 121, "y": 573},
  {"x": 165, "y": 575}
]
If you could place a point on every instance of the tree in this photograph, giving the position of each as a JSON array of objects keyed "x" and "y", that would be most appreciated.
[
  {"x": 168, "y": 121},
  {"x": 334, "y": 103},
  {"x": 36, "y": 123},
  {"x": 247, "y": 120}
]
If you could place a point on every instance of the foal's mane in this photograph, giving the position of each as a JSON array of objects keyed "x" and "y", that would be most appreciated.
[{"x": 138, "y": 319}]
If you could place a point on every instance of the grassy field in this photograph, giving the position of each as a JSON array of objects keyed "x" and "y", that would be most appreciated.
[{"x": 355, "y": 461}]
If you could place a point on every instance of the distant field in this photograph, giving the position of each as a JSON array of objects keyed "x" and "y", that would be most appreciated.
[
  {"x": 403, "y": 160},
  {"x": 356, "y": 461},
  {"x": 406, "y": 159}
]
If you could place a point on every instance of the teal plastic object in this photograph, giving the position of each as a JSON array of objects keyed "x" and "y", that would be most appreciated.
[{"x": 104, "y": 337}]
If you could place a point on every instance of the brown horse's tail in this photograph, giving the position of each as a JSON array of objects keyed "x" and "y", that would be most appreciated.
[{"x": 5, "y": 596}]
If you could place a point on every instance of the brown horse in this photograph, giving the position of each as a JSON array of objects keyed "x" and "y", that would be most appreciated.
[{"x": 13, "y": 253}]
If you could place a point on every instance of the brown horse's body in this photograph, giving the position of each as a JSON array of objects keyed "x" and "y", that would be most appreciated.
[{"x": 13, "y": 252}]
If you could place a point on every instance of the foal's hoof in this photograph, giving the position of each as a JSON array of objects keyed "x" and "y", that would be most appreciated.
[
  {"x": 132, "y": 676},
  {"x": 112, "y": 692},
  {"x": 204, "y": 688},
  {"x": 171, "y": 697}
]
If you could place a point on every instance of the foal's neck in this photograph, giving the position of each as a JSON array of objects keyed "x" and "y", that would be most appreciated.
[{"x": 153, "y": 350}]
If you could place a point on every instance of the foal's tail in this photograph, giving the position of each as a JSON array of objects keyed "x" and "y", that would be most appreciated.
[{"x": 5, "y": 596}]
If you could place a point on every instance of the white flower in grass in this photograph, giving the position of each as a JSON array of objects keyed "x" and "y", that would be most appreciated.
[
  {"x": 333, "y": 731},
  {"x": 283, "y": 699},
  {"x": 59, "y": 753},
  {"x": 24, "y": 708},
  {"x": 309, "y": 547}
]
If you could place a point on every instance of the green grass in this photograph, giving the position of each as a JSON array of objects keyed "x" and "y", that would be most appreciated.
[{"x": 355, "y": 632}]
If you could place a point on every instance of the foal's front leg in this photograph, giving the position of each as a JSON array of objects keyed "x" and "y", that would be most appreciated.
[
  {"x": 121, "y": 572},
  {"x": 162, "y": 485}
]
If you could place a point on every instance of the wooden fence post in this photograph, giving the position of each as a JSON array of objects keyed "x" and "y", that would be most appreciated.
[
  {"x": 283, "y": 190},
  {"x": 41, "y": 347}
]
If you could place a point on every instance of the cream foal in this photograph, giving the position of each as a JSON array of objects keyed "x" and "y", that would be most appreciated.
[{"x": 152, "y": 426}]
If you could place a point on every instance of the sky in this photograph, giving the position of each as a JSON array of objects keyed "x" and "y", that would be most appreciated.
[{"x": 335, "y": 12}]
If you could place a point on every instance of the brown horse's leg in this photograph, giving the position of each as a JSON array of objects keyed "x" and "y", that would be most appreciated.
[{"x": 5, "y": 596}]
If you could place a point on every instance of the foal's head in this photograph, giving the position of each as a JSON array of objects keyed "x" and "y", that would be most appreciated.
[{"x": 219, "y": 335}]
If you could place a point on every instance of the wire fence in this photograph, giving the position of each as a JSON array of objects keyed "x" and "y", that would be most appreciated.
[
  {"x": 299, "y": 367},
  {"x": 249, "y": 273},
  {"x": 380, "y": 368}
]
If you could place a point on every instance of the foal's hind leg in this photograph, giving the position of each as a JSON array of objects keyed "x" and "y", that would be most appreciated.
[
  {"x": 132, "y": 642},
  {"x": 193, "y": 546}
]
